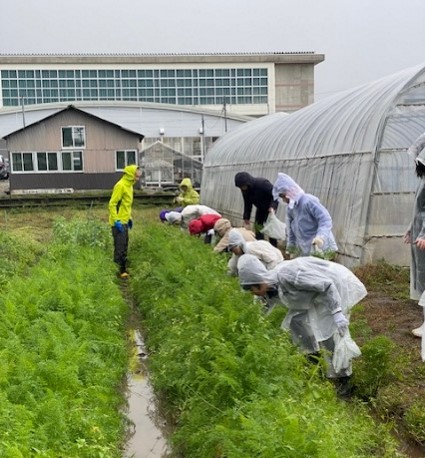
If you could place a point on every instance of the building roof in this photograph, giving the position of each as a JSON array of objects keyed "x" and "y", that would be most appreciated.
[
  {"x": 73, "y": 108},
  {"x": 278, "y": 57},
  {"x": 177, "y": 120}
]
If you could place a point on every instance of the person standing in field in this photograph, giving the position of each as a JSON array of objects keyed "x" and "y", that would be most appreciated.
[
  {"x": 415, "y": 234},
  {"x": 120, "y": 220},
  {"x": 256, "y": 192},
  {"x": 188, "y": 195},
  {"x": 309, "y": 224}
]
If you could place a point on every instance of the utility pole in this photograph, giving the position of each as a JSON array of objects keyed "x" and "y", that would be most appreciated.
[
  {"x": 202, "y": 138},
  {"x": 225, "y": 115},
  {"x": 23, "y": 111}
]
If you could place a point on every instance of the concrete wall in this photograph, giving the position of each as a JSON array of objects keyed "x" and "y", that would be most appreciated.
[{"x": 294, "y": 86}]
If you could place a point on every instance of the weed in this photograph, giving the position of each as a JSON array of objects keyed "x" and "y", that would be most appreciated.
[{"x": 391, "y": 279}]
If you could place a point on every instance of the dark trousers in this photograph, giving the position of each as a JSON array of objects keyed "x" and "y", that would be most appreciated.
[
  {"x": 260, "y": 218},
  {"x": 120, "y": 247}
]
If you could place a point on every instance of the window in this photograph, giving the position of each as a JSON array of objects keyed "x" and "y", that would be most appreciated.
[
  {"x": 22, "y": 162},
  {"x": 74, "y": 137},
  {"x": 42, "y": 161},
  {"x": 72, "y": 160},
  {"x": 47, "y": 161},
  {"x": 124, "y": 158}
]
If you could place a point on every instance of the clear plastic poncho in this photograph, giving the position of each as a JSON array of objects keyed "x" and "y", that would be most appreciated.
[{"x": 312, "y": 289}]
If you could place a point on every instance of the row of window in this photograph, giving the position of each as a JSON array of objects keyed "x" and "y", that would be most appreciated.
[
  {"x": 181, "y": 87},
  {"x": 119, "y": 74},
  {"x": 62, "y": 161},
  {"x": 225, "y": 83}
]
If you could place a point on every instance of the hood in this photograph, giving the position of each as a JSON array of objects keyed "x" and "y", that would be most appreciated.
[
  {"x": 173, "y": 217},
  {"x": 236, "y": 240},
  {"x": 243, "y": 179},
  {"x": 129, "y": 172},
  {"x": 195, "y": 227},
  {"x": 287, "y": 186},
  {"x": 163, "y": 215},
  {"x": 252, "y": 271},
  {"x": 222, "y": 226},
  {"x": 186, "y": 182}
]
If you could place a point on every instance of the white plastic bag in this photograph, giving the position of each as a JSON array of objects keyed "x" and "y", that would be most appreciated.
[
  {"x": 345, "y": 350},
  {"x": 274, "y": 228}
]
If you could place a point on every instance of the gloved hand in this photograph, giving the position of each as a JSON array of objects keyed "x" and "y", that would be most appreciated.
[
  {"x": 130, "y": 224},
  {"x": 318, "y": 242},
  {"x": 119, "y": 226},
  {"x": 341, "y": 323}
]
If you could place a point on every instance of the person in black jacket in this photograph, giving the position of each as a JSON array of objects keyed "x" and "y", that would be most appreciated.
[{"x": 258, "y": 192}]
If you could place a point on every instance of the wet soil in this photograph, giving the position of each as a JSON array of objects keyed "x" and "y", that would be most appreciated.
[{"x": 395, "y": 319}]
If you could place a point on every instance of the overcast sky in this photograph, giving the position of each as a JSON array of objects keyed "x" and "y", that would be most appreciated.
[{"x": 362, "y": 40}]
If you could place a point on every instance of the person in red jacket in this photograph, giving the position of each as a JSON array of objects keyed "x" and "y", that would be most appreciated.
[{"x": 204, "y": 225}]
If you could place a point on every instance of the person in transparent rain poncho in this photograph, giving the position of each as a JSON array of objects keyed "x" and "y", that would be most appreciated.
[
  {"x": 309, "y": 224},
  {"x": 319, "y": 296},
  {"x": 415, "y": 235},
  {"x": 269, "y": 255}
]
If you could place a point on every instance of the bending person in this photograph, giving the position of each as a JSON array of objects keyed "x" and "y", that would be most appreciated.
[
  {"x": 309, "y": 224},
  {"x": 269, "y": 255},
  {"x": 222, "y": 228},
  {"x": 204, "y": 225},
  {"x": 256, "y": 191},
  {"x": 319, "y": 295}
]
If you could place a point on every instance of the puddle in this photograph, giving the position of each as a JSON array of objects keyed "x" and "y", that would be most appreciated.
[{"x": 147, "y": 440}]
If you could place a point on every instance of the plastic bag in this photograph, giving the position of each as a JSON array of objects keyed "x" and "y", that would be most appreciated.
[
  {"x": 274, "y": 228},
  {"x": 345, "y": 350}
]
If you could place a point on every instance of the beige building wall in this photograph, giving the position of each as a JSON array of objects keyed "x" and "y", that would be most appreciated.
[{"x": 102, "y": 140}]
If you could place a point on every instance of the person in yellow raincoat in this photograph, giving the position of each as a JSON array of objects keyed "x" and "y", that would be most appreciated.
[
  {"x": 188, "y": 195},
  {"x": 120, "y": 205}
]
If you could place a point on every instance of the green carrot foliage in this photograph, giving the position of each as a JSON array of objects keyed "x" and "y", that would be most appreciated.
[
  {"x": 64, "y": 352},
  {"x": 230, "y": 379}
]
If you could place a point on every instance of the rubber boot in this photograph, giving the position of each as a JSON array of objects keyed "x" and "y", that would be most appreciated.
[
  {"x": 418, "y": 331},
  {"x": 344, "y": 388},
  {"x": 313, "y": 358}
]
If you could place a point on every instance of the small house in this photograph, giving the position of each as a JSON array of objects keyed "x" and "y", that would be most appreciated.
[{"x": 70, "y": 150}]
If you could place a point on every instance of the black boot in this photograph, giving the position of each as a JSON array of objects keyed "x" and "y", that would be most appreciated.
[
  {"x": 313, "y": 358},
  {"x": 344, "y": 387}
]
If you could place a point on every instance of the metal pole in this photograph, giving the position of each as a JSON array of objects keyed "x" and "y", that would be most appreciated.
[
  {"x": 225, "y": 116},
  {"x": 23, "y": 110},
  {"x": 202, "y": 138}
]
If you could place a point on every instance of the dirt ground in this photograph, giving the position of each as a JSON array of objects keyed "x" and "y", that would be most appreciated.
[{"x": 395, "y": 318}]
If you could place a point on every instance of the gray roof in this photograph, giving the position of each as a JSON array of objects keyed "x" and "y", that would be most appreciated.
[{"x": 147, "y": 118}]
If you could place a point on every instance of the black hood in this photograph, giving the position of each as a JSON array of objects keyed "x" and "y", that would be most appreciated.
[{"x": 243, "y": 179}]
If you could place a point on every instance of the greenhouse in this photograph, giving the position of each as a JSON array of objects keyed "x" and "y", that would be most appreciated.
[{"x": 350, "y": 150}]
